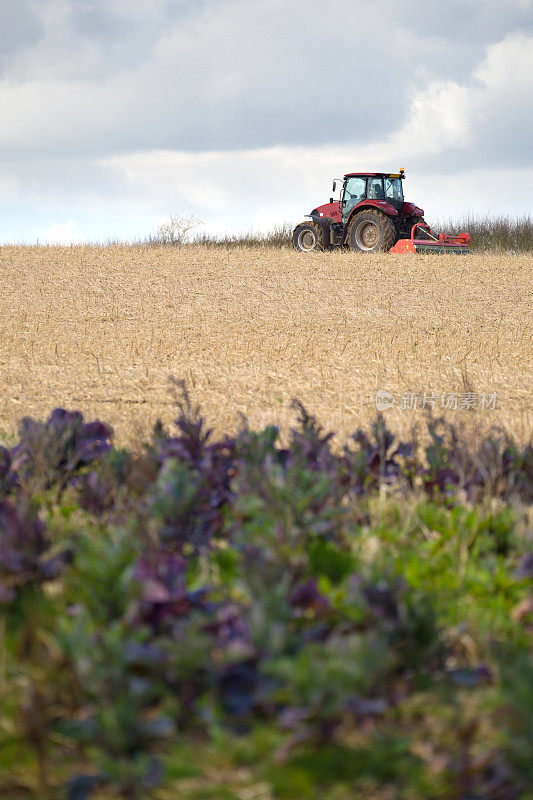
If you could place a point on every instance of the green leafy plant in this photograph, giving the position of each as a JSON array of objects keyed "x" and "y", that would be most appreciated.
[{"x": 318, "y": 622}]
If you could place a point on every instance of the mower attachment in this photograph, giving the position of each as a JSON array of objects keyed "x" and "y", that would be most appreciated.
[{"x": 443, "y": 243}]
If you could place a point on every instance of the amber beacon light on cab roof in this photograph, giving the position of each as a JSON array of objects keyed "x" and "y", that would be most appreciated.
[{"x": 371, "y": 216}]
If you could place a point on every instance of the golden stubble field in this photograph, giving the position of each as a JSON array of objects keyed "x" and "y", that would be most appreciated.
[{"x": 102, "y": 329}]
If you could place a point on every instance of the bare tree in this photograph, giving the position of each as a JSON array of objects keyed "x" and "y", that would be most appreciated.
[{"x": 176, "y": 229}]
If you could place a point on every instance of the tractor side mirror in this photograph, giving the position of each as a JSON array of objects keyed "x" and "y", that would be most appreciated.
[{"x": 334, "y": 189}]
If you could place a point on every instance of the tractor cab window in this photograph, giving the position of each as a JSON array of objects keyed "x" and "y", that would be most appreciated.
[
  {"x": 375, "y": 189},
  {"x": 394, "y": 192},
  {"x": 354, "y": 192}
]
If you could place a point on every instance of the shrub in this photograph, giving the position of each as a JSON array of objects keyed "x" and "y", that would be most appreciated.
[
  {"x": 324, "y": 623},
  {"x": 176, "y": 230}
]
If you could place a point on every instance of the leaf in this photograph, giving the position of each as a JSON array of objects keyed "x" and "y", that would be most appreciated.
[{"x": 83, "y": 787}]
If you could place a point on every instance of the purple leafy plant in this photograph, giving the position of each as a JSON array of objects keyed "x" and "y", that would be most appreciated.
[
  {"x": 378, "y": 459},
  {"x": 51, "y": 452},
  {"x": 8, "y": 479},
  {"x": 24, "y": 550}
]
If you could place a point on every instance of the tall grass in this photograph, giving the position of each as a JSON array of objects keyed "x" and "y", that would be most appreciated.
[
  {"x": 279, "y": 236},
  {"x": 502, "y": 233},
  {"x": 495, "y": 234}
]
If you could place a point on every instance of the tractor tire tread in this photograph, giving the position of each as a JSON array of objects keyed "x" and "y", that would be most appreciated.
[
  {"x": 389, "y": 229},
  {"x": 320, "y": 236}
]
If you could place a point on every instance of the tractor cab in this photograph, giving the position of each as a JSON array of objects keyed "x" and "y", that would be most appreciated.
[{"x": 360, "y": 187}]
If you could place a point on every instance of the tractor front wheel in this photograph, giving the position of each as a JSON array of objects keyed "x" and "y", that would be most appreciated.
[
  {"x": 307, "y": 237},
  {"x": 371, "y": 232}
]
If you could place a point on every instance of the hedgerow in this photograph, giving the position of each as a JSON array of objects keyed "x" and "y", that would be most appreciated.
[
  {"x": 230, "y": 617},
  {"x": 488, "y": 234}
]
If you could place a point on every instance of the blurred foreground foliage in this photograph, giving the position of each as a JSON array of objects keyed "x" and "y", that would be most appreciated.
[{"x": 231, "y": 619}]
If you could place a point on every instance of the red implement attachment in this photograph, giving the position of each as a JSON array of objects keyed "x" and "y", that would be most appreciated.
[{"x": 443, "y": 243}]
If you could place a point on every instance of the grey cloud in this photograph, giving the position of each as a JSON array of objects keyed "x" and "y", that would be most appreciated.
[
  {"x": 469, "y": 22},
  {"x": 125, "y": 32},
  {"x": 20, "y": 27},
  {"x": 228, "y": 74},
  {"x": 102, "y": 22},
  {"x": 52, "y": 179}
]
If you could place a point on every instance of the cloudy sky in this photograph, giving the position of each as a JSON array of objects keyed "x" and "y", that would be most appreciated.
[{"x": 115, "y": 114}]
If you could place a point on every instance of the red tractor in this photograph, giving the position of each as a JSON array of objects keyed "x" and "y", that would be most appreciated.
[{"x": 371, "y": 216}]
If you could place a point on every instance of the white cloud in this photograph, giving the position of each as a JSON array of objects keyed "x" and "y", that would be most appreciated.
[
  {"x": 508, "y": 66},
  {"x": 60, "y": 233}
]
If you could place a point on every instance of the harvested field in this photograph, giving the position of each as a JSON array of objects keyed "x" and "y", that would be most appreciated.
[{"x": 101, "y": 329}]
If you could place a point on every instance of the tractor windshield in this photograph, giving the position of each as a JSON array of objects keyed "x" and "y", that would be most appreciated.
[
  {"x": 354, "y": 192},
  {"x": 394, "y": 192}
]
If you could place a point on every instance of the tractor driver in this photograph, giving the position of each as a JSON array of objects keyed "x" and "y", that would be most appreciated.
[
  {"x": 375, "y": 189},
  {"x": 393, "y": 190}
]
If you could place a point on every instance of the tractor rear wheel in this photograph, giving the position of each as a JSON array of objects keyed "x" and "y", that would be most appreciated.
[
  {"x": 307, "y": 236},
  {"x": 371, "y": 232},
  {"x": 415, "y": 221}
]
